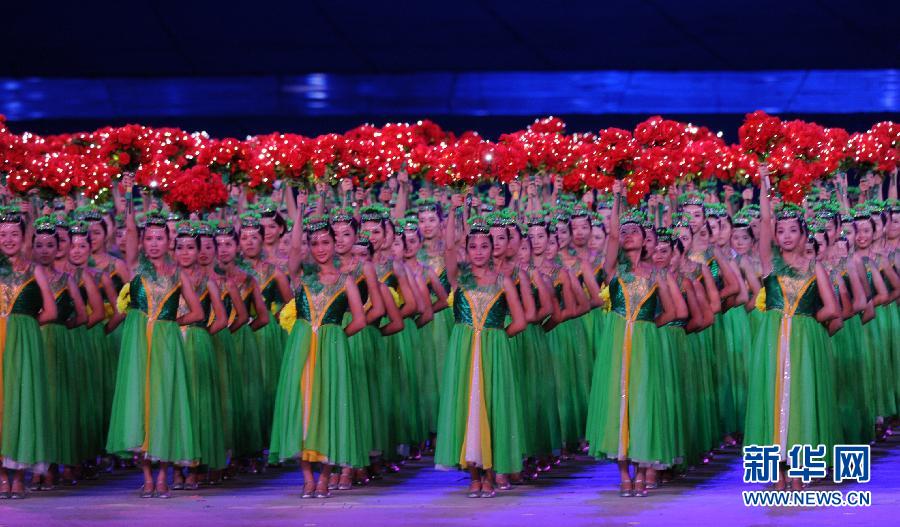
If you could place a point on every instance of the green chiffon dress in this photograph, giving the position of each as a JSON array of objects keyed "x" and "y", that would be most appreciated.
[
  {"x": 853, "y": 367},
  {"x": 791, "y": 393},
  {"x": 203, "y": 383},
  {"x": 562, "y": 341},
  {"x": 315, "y": 414},
  {"x": 62, "y": 369},
  {"x": 270, "y": 343},
  {"x": 26, "y": 440},
  {"x": 362, "y": 348},
  {"x": 228, "y": 382},
  {"x": 627, "y": 394},
  {"x": 478, "y": 424},
  {"x": 151, "y": 411},
  {"x": 247, "y": 372}
]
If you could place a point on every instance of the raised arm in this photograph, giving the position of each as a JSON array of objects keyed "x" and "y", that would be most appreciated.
[
  {"x": 294, "y": 260},
  {"x": 450, "y": 251},
  {"x": 765, "y": 221},
  {"x": 611, "y": 258}
]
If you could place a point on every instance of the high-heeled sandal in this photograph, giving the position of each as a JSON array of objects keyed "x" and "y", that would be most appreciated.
[
  {"x": 333, "y": 480},
  {"x": 322, "y": 491},
  {"x": 309, "y": 490},
  {"x": 345, "y": 482},
  {"x": 147, "y": 493},
  {"x": 503, "y": 482},
  {"x": 488, "y": 493},
  {"x": 4, "y": 494},
  {"x": 474, "y": 489},
  {"x": 164, "y": 493},
  {"x": 640, "y": 490},
  {"x": 626, "y": 489},
  {"x": 18, "y": 495}
]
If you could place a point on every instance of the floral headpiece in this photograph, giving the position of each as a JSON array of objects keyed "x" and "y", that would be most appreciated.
[
  {"x": 363, "y": 239},
  {"x": 373, "y": 213},
  {"x": 10, "y": 214},
  {"x": 827, "y": 210},
  {"x": 665, "y": 234},
  {"x": 205, "y": 228},
  {"x": 861, "y": 212},
  {"x": 78, "y": 228},
  {"x": 478, "y": 225},
  {"x": 410, "y": 223},
  {"x": 715, "y": 210},
  {"x": 580, "y": 212},
  {"x": 690, "y": 198},
  {"x": 267, "y": 208},
  {"x": 341, "y": 216},
  {"x": 174, "y": 216},
  {"x": 222, "y": 228},
  {"x": 186, "y": 228},
  {"x": 536, "y": 219},
  {"x": 250, "y": 220},
  {"x": 751, "y": 211},
  {"x": 681, "y": 219},
  {"x": 787, "y": 211},
  {"x": 634, "y": 216},
  {"x": 155, "y": 218},
  {"x": 89, "y": 213},
  {"x": 314, "y": 224},
  {"x": 427, "y": 205},
  {"x": 45, "y": 225}
]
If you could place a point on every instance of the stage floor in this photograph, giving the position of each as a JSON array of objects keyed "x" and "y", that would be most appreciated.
[{"x": 581, "y": 492}]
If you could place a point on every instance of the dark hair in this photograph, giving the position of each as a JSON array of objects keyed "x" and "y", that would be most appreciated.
[
  {"x": 190, "y": 236},
  {"x": 55, "y": 236},
  {"x": 165, "y": 228},
  {"x": 102, "y": 224},
  {"x": 231, "y": 233},
  {"x": 871, "y": 222},
  {"x": 677, "y": 244},
  {"x": 279, "y": 220},
  {"x": 489, "y": 237},
  {"x": 20, "y": 221}
]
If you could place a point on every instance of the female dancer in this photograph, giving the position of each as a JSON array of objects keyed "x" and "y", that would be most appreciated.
[
  {"x": 151, "y": 413},
  {"x": 314, "y": 415},
  {"x": 247, "y": 381},
  {"x": 789, "y": 405},
  {"x": 477, "y": 420},
  {"x": 26, "y": 301},
  {"x": 276, "y": 291},
  {"x": 59, "y": 344},
  {"x": 621, "y": 422},
  {"x": 200, "y": 359}
]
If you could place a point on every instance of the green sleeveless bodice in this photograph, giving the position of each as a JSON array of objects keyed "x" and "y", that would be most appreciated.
[
  {"x": 205, "y": 302},
  {"x": 799, "y": 296},
  {"x": 480, "y": 307},
  {"x": 270, "y": 293},
  {"x": 157, "y": 298},
  {"x": 65, "y": 306},
  {"x": 20, "y": 294},
  {"x": 636, "y": 299},
  {"x": 327, "y": 306}
]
